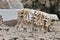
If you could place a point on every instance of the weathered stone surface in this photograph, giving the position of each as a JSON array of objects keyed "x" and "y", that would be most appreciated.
[
  {"x": 10, "y": 4},
  {"x": 1, "y": 20},
  {"x": 3, "y": 4}
]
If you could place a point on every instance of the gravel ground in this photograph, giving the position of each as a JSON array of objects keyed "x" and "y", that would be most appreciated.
[{"x": 25, "y": 33}]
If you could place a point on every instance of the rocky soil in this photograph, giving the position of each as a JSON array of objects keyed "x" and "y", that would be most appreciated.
[{"x": 28, "y": 33}]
